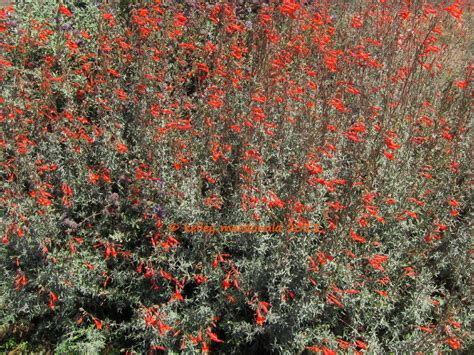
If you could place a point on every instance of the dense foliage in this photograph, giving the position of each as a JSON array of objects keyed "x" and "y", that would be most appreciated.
[{"x": 348, "y": 123}]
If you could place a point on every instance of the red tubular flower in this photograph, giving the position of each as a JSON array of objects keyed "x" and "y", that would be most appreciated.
[
  {"x": 213, "y": 336},
  {"x": 454, "y": 323},
  {"x": 338, "y": 104},
  {"x": 260, "y": 318},
  {"x": 332, "y": 299},
  {"x": 289, "y": 8},
  {"x": 53, "y": 298},
  {"x": 455, "y": 11},
  {"x": 453, "y": 343},
  {"x": 357, "y": 238},
  {"x": 67, "y": 190},
  {"x": 357, "y": 22},
  {"x": 313, "y": 349},
  {"x": 344, "y": 345},
  {"x": 377, "y": 260},
  {"x": 122, "y": 148},
  {"x": 327, "y": 351},
  {"x": 20, "y": 281},
  {"x": 313, "y": 168},
  {"x": 361, "y": 344},
  {"x": 462, "y": 84},
  {"x": 64, "y": 11},
  {"x": 382, "y": 293},
  {"x": 98, "y": 323},
  {"x": 274, "y": 201},
  {"x": 425, "y": 329},
  {"x": 226, "y": 283}
]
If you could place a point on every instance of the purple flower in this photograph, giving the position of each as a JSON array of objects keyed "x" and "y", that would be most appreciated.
[{"x": 158, "y": 210}]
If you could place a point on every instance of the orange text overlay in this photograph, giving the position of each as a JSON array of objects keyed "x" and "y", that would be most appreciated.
[{"x": 244, "y": 228}]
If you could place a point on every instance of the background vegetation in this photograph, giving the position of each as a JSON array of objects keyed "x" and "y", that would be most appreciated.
[{"x": 119, "y": 120}]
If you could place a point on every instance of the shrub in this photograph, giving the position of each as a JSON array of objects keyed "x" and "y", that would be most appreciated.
[{"x": 133, "y": 135}]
